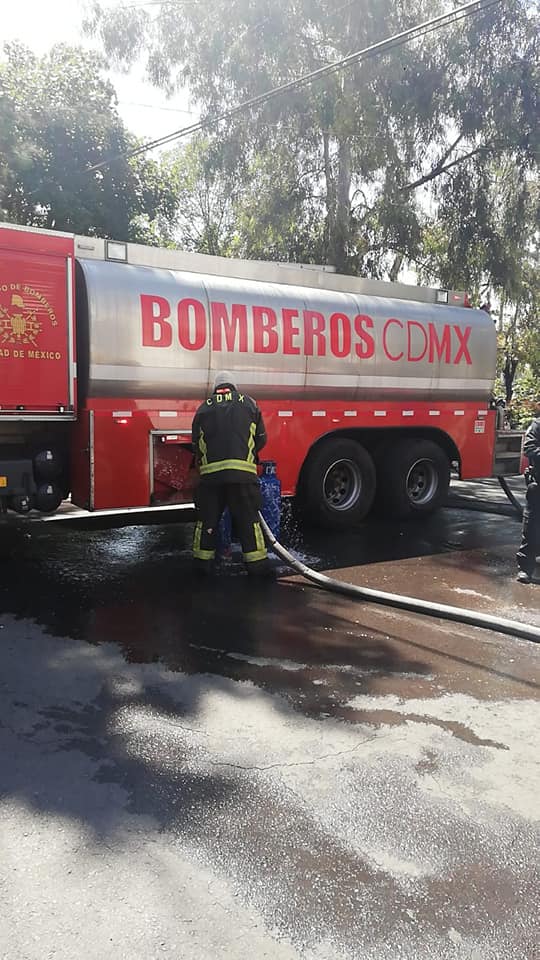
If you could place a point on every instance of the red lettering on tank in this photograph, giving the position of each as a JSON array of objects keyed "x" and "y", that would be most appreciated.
[
  {"x": 415, "y": 325},
  {"x": 156, "y": 331},
  {"x": 290, "y": 330},
  {"x": 314, "y": 330},
  {"x": 233, "y": 326},
  {"x": 340, "y": 335},
  {"x": 265, "y": 338},
  {"x": 366, "y": 346},
  {"x": 191, "y": 324},
  {"x": 463, "y": 337},
  {"x": 391, "y": 356},
  {"x": 440, "y": 348}
]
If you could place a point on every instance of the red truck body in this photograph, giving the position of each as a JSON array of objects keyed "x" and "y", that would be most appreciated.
[
  {"x": 107, "y": 349},
  {"x": 37, "y": 334}
]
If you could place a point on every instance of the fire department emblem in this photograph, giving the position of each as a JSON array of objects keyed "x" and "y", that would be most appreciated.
[{"x": 19, "y": 323}]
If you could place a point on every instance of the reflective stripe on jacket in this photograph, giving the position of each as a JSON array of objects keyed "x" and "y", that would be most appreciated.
[{"x": 227, "y": 434}]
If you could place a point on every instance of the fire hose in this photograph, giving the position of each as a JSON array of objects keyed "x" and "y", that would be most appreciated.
[
  {"x": 499, "y": 509},
  {"x": 412, "y": 604},
  {"x": 513, "y": 500}
]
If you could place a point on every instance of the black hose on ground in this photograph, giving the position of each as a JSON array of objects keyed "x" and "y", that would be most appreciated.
[
  {"x": 495, "y": 509},
  {"x": 513, "y": 500},
  {"x": 412, "y": 604}
]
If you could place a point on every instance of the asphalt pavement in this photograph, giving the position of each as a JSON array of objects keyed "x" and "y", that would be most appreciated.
[{"x": 216, "y": 769}]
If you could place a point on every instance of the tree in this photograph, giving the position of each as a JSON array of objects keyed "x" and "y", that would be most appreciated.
[
  {"x": 57, "y": 119},
  {"x": 366, "y": 147},
  {"x": 519, "y": 340},
  {"x": 279, "y": 215},
  {"x": 204, "y": 220},
  {"x": 484, "y": 238}
]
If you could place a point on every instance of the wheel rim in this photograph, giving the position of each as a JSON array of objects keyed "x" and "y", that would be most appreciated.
[
  {"x": 422, "y": 482},
  {"x": 342, "y": 485}
]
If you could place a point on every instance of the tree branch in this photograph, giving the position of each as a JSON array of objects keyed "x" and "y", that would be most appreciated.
[{"x": 441, "y": 166}]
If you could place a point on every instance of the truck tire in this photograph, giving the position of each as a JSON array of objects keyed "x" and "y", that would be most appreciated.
[
  {"x": 413, "y": 477},
  {"x": 338, "y": 484}
]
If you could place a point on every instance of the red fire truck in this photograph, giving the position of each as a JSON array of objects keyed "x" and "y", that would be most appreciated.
[{"x": 106, "y": 349}]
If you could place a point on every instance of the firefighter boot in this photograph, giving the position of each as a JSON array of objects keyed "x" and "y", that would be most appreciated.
[
  {"x": 263, "y": 570},
  {"x": 203, "y": 568}
]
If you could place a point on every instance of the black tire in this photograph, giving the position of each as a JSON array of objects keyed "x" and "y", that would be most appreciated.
[
  {"x": 413, "y": 477},
  {"x": 338, "y": 484}
]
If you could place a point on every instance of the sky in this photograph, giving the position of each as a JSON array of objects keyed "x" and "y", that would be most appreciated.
[{"x": 41, "y": 23}]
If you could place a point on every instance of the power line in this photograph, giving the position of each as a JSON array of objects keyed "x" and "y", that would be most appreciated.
[
  {"x": 157, "y": 3},
  {"x": 154, "y": 106},
  {"x": 382, "y": 46}
]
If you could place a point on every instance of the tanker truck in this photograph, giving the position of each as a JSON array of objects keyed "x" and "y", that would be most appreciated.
[{"x": 369, "y": 390}]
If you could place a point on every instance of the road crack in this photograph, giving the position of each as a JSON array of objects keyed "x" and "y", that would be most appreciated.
[{"x": 294, "y": 763}]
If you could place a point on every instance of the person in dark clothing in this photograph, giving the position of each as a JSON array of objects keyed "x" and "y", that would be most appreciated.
[
  {"x": 530, "y": 536},
  {"x": 227, "y": 435}
]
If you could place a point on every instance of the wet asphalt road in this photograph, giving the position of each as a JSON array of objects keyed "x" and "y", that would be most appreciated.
[{"x": 215, "y": 770}]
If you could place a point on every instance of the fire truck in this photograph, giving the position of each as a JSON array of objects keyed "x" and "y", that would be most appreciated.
[{"x": 370, "y": 391}]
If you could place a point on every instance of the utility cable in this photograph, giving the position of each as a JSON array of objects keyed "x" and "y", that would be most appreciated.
[{"x": 381, "y": 47}]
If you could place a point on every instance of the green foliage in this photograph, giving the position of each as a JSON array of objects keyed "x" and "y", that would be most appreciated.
[
  {"x": 484, "y": 239},
  {"x": 427, "y": 155},
  {"x": 519, "y": 351},
  {"x": 277, "y": 216},
  {"x": 525, "y": 400},
  {"x": 204, "y": 220},
  {"x": 365, "y": 148},
  {"x": 57, "y": 118}
]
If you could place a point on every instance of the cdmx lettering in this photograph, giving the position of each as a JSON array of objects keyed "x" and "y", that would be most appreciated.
[{"x": 261, "y": 330}]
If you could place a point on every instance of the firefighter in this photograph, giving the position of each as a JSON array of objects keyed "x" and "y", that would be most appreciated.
[
  {"x": 530, "y": 537},
  {"x": 227, "y": 434}
]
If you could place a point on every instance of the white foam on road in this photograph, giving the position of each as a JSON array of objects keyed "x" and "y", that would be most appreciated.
[
  {"x": 505, "y": 775},
  {"x": 236, "y": 824},
  {"x": 472, "y": 593}
]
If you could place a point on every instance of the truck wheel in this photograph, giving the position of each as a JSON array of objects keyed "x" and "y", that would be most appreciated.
[
  {"x": 339, "y": 484},
  {"x": 413, "y": 478}
]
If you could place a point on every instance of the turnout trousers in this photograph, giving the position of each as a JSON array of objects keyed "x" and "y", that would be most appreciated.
[
  {"x": 530, "y": 535},
  {"x": 244, "y": 502}
]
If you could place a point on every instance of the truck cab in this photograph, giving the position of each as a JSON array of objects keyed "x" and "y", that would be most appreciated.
[{"x": 38, "y": 373}]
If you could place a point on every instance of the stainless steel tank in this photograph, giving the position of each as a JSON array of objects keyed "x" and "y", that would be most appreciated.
[{"x": 161, "y": 333}]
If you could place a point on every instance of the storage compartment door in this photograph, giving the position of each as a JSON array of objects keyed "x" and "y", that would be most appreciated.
[
  {"x": 173, "y": 470},
  {"x": 36, "y": 373}
]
